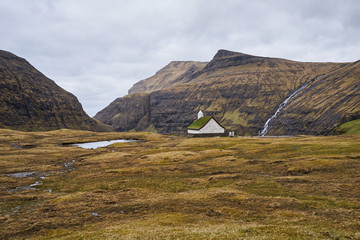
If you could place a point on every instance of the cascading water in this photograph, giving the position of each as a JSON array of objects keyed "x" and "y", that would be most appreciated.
[{"x": 283, "y": 104}]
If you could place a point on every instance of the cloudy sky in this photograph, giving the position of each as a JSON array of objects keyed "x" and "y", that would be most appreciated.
[{"x": 97, "y": 49}]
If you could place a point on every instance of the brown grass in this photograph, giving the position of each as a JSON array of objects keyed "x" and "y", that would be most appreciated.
[{"x": 170, "y": 187}]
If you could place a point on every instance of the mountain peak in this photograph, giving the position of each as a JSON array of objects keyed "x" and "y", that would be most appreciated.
[
  {"x": 222, "y": 53},
  {"x": 242, "y": 91},
  {"x": 224, "y": 58},
  {"x": 4, "y": 53}
]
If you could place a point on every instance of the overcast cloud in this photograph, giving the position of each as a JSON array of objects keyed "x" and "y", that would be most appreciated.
[{"x": 97, "y": 49}]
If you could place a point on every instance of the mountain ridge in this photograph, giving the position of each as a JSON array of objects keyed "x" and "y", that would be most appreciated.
[
  {"x": 242, "y": 91},
  {"x": 30, "y": 101},
  {"x": 175, "y": 73}
]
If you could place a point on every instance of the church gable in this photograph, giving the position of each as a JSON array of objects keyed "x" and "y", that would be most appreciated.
[
  {"x": 205, "y": 125},
  {"x": 212, "y": 126}
]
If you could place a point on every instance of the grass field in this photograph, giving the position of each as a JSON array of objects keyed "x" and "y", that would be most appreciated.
[
  {"x": 352, "y": 127},
  {"x": 170, "y": 187}
]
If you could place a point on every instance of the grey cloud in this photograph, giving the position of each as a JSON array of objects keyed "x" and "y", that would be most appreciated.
[{"x": 97, "y": 49}]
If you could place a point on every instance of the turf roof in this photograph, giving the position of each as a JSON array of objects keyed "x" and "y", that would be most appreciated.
[{"x": 199, "y": 123}]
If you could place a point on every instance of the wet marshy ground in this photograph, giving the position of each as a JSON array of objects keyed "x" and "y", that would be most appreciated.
[{"x": 179, "y": 188}]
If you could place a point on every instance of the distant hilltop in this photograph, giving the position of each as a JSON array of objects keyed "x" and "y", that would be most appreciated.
[{"x": 241, "y": 91}]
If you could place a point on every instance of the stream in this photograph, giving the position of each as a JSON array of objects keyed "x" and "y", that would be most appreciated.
[
  {"x": 40, "y": 176},
  {"x": 266, "y": 127}
]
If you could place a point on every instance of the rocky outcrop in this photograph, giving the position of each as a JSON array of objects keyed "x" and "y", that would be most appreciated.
[
  {"x": 131, "y": 112},
  {"x": 239, "y": 90},
  {"x": 31, "y": 101}
]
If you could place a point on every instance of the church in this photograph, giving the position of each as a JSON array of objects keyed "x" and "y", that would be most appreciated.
[{"x": 206, "y": 126}]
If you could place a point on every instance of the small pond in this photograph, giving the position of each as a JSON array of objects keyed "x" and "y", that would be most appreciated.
[{"x": 94, "y": 145}]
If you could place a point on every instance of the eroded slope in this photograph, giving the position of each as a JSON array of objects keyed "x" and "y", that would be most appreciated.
[
  {"x": 31, "y": 101},
  {"x": 242, "y": 91}
]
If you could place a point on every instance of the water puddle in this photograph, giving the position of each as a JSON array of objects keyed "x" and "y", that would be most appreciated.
[
  {"x": 22, "y": 174},
  {"x": 94, "y": 145},
  {"x": 69, "y": 166},
  {"x": 32, "y": 186},
  {"x": 25, "y": 146},
  {"x": 22, "y": 188}
]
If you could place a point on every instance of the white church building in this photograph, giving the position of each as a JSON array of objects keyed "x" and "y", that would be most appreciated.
[{"x": 205, "y": 126}]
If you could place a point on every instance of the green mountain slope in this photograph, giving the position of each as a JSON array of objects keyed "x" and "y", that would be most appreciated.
[{"x": 351, "y": 127}]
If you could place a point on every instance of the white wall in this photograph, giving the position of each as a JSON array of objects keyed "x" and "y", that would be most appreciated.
[
  {"x": 211, "y": 127},
  {"x": 192, "y": 131}
]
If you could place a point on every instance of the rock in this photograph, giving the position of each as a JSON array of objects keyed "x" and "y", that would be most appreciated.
[
  {"x": 31, "y": 101},
  {"x": 241, "y": 91},
  {"x": 129, "y": 112},
  {"x": 323, "y": 106},
  {"x": 175, "y": 73}
]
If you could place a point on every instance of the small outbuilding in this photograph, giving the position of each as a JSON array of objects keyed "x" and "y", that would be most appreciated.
[{"x": 206, "y": 126}]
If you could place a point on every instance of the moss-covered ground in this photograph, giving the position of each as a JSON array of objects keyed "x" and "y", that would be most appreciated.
[
  {"x": 169, "y": 187},
  {"x": 352, "y": 127}
]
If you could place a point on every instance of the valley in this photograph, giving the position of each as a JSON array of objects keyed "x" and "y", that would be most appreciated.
[
  {"x": 158, "y": 183},
  {"x": 243, "y": 92},
  {"x": 172, "y": 187}
]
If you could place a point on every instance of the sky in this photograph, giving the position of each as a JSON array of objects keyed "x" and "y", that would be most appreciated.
[{"x": 97, "y": 49}]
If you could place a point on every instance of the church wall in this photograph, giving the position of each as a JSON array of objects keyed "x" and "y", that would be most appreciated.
[{"x": 212, "y": 127}]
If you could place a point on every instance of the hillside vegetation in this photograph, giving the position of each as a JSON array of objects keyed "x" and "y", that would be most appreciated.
[
  {"x": 175, "y": 73},
  {"x": 31, "y": 101},
  {"x": 352, "y": 127},
  {"x": 169, "y": 187},
  {"x": 332, "y": 100},
  {"x": 241, "y": 91}
]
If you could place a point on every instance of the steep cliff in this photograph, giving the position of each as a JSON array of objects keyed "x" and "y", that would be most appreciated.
[
  {"x": 31, "y": 101},
  {"x": 175, "y": 73},
  {"x": 131, "y": 112},
  {"x": 321, "y": 107},
  {"x": 242, "y": 91}
]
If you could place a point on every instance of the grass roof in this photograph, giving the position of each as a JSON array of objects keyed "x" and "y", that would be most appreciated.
[
  {"x": 199, "y": 123},
  {"x": 352, "y": 127}
]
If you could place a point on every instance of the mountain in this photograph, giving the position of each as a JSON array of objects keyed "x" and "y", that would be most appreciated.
[
  {"x": 31, "y": 101},
  {"x": 328, "y": 102},
  {"x": 175, "y": 73},
  {"x": 241, "y": 91}
]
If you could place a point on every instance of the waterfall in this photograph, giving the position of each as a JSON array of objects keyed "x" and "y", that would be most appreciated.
[{"x": 283, "y": 104}]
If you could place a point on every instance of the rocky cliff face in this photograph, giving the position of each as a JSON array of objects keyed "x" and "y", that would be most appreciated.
[
  {"x": 175, "y": 73},
  {"x": 131, "y": 112},
  {"x": 239, "y": 90},
  {"x": 321, "y": 107},
  {"x": 31, "y": 101}
]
